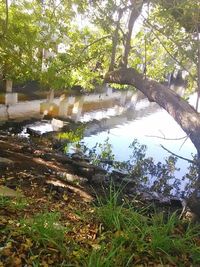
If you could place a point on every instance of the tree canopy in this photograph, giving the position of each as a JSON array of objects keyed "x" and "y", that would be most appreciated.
[{"x": 63, "y": 43}]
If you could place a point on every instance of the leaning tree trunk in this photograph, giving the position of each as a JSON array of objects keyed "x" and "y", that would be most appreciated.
[{"x": 183, "y": 113}]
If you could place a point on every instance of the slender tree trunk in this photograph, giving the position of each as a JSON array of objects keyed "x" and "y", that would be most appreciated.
[
  {"x": 115, "y": 40},
  {"x": 135, "y": 12},
  {"x": 198, "y": 70}
]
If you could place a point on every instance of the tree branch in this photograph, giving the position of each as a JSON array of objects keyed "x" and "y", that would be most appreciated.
[
  {"x": 168, "y": 139},
  {"x": 96, "y": 41},
  {"x": 168, "y": 52},
  {"x": 135, "y": 12},
  {"x": 198, "y": 71}
]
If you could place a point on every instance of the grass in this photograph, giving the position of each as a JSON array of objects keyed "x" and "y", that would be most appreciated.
[
  {"x": 115, "y": 213},
  {"x": 132, "y": 237},
  {"x": 126, "y": 235},
  {"x": 18, "y": 203},
  {"x": 4, "y": 201},
  {"x": 45, "y": 229}
]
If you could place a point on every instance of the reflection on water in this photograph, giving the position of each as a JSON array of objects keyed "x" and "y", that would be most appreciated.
[
  {"x": 120, "y": 116},
  {"x": 74, "y": 107},
  {"x": 144, "y": 129}
]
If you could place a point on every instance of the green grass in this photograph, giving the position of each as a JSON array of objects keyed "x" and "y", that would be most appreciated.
[
  {"x": 18, "y": 203},
  {"x": 46, "y": 230},
  {"x": 129, "y": 237},
  {"x": 4, "y": 201},
  {"x": 115, "y": 213}
]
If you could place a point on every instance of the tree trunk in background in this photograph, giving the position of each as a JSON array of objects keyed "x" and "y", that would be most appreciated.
[
  {"x": 8, "y": 86},
  {"x": 5, "y": 29}
]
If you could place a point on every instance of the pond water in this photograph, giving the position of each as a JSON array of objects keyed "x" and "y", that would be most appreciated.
[
  {"x": 119, "y": 116},
  {"x": 153, "y": 130}
]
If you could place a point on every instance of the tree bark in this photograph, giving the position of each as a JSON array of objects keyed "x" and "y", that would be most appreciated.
[
  {"x": 135, "y": 12},
  {"x": 183, "y": 113},
  {"x": 198, "y": 71},
  {"x": 115, "y": 41}
]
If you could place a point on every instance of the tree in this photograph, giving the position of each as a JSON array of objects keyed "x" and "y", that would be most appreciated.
[
  {"x": 30, "y": 32},
  {"x": 19, "y": 40},
  {"x": 179, "y": 109}
]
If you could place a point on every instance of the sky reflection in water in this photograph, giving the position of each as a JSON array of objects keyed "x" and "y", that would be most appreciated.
[{"x": 159, "y": 124}]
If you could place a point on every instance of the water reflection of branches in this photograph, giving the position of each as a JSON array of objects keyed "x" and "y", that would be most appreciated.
[
  {"x": 165, "y": 138},
  {"x": 171, "y": 139}
]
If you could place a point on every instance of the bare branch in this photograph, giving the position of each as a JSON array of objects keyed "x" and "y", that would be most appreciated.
[
  {"x": 184, "y": 142},
  {"x": 96, "y": 41}
]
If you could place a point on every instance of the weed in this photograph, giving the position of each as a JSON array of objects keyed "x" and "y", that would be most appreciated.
[
  {"x": 45, "y": 229},
  {"x": 5, "y": 201},
  {"x": 18, "y": 202},
  {"x": 130, "y": 236},
  {"x": 109, "y": 211}
]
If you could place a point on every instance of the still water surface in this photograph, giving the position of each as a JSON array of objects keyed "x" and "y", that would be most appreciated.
[{"x": 153, "y": 130}]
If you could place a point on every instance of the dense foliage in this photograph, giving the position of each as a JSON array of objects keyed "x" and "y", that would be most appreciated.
[{"x": 67, "y": 43}]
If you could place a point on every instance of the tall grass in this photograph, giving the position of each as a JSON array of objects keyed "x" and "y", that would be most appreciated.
[
  {"x": 130, "y": 237},
  {"x": 46, "y": 230}
]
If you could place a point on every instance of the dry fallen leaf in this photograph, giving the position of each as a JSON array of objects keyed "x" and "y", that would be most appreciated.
[
  {"x": 16, "y": 262},
  {"x": 7, "y": 252},
  {"x": 44, "y": 264}
]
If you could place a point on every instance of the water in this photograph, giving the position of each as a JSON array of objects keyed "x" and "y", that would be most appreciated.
[
  {"x": 119, "y": 116},
  {"x": 152, "y": 126},
  {"x": 149, "y": 130}
]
